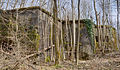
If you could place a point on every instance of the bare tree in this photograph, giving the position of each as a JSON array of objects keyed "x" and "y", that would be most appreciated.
[
  {"x": 56, "y": 38},
  {"x": 97, "y": 21},
  {"x": 78, "y": 42},
  {"x": 74, "y": 30},
  {"x": 103, "y": 22},
  {"x": 118, "y": 24}
]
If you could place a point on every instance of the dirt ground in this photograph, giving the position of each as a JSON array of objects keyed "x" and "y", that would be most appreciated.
[{"x": 110, "y": 61}]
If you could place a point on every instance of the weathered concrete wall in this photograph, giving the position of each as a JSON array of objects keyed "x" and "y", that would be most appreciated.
[
  {"x": 109, "y": 40},
  {"x": 85, "y": 44}
]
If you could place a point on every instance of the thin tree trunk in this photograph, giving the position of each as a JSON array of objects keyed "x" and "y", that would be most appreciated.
[
  {"x": 51, "y": 36},
  {"x": 100, "y": 32},
  {"x": 118, "y": 24},
  {"x": 97, "y": 21},
  {"x": 74, "y": 31},
  {"x": 16, "y": 35},
  {"x": 61, "y": 43},
  {"x": 45, "y": 38},
  {"x": 103, "y": 22},
  {"x": 78, "y": 32},
  {"x": 66, "y": 32}
]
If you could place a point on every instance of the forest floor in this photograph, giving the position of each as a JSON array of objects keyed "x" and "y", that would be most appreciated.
[{"x": 109, "y": 61}]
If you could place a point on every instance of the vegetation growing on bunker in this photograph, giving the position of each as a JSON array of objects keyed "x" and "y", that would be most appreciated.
[{"x": 90, "y": 25}]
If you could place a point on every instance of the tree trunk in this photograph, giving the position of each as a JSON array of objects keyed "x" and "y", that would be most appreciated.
[
  {"x": 74, "y": 31},
  {"x": 55, "y": 26},
  {"x": 97, "y": 21},
  {"x": 118, "y": 24},
  {"x": 78, "y": 32},
  {"x": 104, "y": 28}
]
